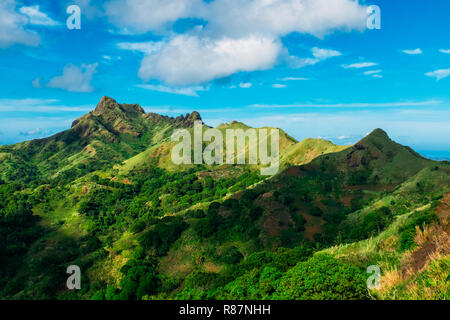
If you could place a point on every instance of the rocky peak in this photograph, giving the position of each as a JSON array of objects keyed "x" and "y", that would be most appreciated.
[
  {"x": 189, "y": 119},
  {"x": 108, "y": 107},
  {"x": 110, "y": 117}
]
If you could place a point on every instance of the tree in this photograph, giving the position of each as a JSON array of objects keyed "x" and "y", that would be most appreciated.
[{"x": 322, "y": 278}]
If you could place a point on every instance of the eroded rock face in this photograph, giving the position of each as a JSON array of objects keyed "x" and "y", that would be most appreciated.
[
  {"x": 110, "y": 119},
  {"x": 110, "y": 110},
  {"x": 110, "y": 116},
  {"x": 189, "y": 119},
  {"x": 180, "y": 121}
]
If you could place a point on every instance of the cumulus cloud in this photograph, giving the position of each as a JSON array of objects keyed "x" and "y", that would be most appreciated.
[
  {"x": 278, "y": 86},
  {"x": 439, "y": 74},
  {"x": 359, "y": 65},
  {"x": 140, "y": 16},
  {"x": 281, "y": 17},
  {"x": 75, "y": 79},
  {"x": 239, "y": 35},
  {"x": 37, "y": 17},
  {"x": 413, "y": 52},
  {"x": 13, "y": 27},
  {"x": 188, "y": 59},
  {"x": 446, "y": 51},
  {"x": 187, "y": 91},
  {"x": 239, "y": 18}
]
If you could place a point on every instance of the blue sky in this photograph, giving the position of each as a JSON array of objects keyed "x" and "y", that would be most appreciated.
[{"x": 310, "y": 67}]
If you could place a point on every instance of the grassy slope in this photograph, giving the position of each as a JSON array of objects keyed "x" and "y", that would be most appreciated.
[
  {"x": 382, "y": 161},
  {"x": 292, "y": 152},
  {"x": 430, "y": 280}
]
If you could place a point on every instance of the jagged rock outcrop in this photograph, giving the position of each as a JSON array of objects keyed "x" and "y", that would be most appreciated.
[{"x": 180, "y": 121}]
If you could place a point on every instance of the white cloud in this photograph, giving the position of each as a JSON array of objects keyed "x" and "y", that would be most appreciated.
[
  {"x": 318, "y": 54},
  {"x": 439, "y": 74},
  {"x": 188, "y": 60},
  {"x": 359, "y": 65},
  {"x": 144, "y": 47},
  {"x": 293, "y": 79},
  {"x": 371, "y": 72},
  {"x": 20, "y": 129},
  {"x": 351, "y": 105},
  {"x": 13, "y": 27},
  {"x": 446, "y": 51},
  {"x": 75, "y": 79},
  {"x": 278, "y": 86},
  {"x": 245, "y": 85},
  {"x": 323, "y": 54},
  {"x": 413, "y": 52},
  {"x": 237, "y": 18},
  {"x": 32, "y": 132},
  {"x": 377, "y": 76},
  {"x": 38, "y": 105},
  {"x": 281, "y": 17},
  {"x": 187, "y": 91},
  {"x": 37, "y": 17},
  {"x": 140, "y": 16},
  {"x": 238, "y": 36}
]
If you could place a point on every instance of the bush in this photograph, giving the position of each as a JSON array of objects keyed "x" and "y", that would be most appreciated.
[
  {"x": 139, "y": 278},
  {"x": 195, "y": 214},
  {"x": 322, "y": 278},
  {"x": 231, "y": 255},
  {"x": 163, "y": 234}
]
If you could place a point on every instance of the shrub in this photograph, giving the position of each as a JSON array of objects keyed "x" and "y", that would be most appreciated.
[
  {"x": 322, "y": 278},
  {"x": 231, "y": 255}
]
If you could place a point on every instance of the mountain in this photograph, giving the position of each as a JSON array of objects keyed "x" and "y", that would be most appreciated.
[
  {"x": 104, "y": 195},
  {"x": 109, "y": 134},
  {"x": 376, "y": 159}
]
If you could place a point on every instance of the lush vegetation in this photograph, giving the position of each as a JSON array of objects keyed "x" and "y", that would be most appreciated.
[{"x": 104, "y": 197}]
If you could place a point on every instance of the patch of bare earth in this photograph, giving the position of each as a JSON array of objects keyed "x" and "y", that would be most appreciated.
[
  {"x": 313, "y": 226},
  {"x": 85, "y": 190},
  {"x": 376, "y": 188},
  {"x": 224, "y": 172},
  {"x": 433, "y": 241},
  {"x": 293, "y": 171},
  {"x": 276, "y": 218},
  {"x": 178, "y": 263}
]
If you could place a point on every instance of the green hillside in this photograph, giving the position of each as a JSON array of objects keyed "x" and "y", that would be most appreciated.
[{"x": 105, "y": 195}]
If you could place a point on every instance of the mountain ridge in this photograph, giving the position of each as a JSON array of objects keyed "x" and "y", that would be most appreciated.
[{"x": 102, "y": 195}]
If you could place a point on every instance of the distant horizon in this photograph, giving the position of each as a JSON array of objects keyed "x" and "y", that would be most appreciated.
[{"x": 437, "y": 155}]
